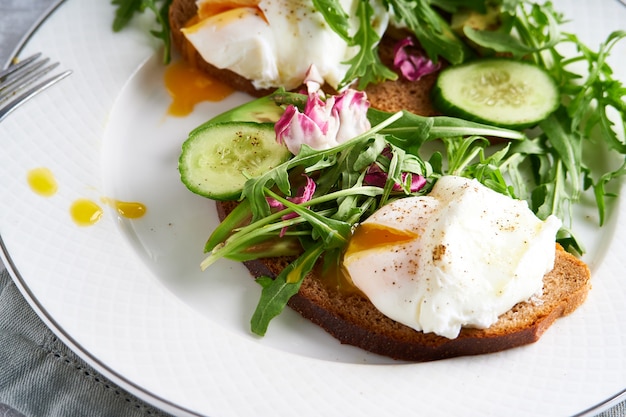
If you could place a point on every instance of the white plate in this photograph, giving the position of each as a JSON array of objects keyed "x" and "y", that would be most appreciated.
[{"x": 127, "y": 295}]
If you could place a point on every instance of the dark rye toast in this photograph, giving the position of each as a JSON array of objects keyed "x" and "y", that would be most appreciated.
[
  {"x": 348, "y": 315},
  {"x": 352, "y": 319}
]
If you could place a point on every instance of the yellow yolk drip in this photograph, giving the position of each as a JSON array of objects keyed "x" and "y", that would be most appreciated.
[
  {"x": 188, "y": 86},
  {"x": 85, "y": 212},
  {"x": 366, "y": 236},
  {"x": 127, "y": 209},
  {"x": 42, "y": 181}
]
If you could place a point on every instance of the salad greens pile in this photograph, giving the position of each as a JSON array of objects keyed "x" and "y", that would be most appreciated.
[
  {"x": 548, "y": 166},
  {"x": 343, "y": 195},
  {"x": 525, "y": 30}
]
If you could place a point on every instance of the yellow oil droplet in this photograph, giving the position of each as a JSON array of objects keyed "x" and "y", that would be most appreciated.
[
  {"x": 42, "y": 181},
  {"x": 85, "y": 212},
  {"x": 127, "y": 209},
  {"x": 188, "y": 86}
]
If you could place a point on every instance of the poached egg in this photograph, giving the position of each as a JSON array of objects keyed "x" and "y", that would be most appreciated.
[
  {"x": 274, "y": 42},
  {"x": 460, "y": 256}
]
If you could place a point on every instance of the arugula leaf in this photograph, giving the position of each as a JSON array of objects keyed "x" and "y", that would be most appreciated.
[
  {"x": 452, "y": 6},
  {"x": 366, "y": 64},
  {"x": 126, "y": 10},
  {"x": 277, "y": 292},
  {"x": 568, "y": 145},
  {"x": 334, "y": 233},
  {"x": 600, "y": 189},
  {"x": 411, "y": 131},
  {"x": 499, "y": 41},
  {"x": 599, "y": 88},
  {"x": 335, "y": 17},
  {"x": 164, "y": 33}
]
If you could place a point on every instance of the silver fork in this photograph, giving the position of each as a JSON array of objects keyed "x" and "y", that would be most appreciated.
[{"x": 16, "y": 82}]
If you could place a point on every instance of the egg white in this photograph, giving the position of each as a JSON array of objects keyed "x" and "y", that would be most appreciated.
[
  {"x": 275, "y": 43},
  {"x": 476, "y": 253}
]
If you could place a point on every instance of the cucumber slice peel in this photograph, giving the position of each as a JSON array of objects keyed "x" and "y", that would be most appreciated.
[
  {"x": 218, "y": 159},
  {"x": 501, "y": 92}
]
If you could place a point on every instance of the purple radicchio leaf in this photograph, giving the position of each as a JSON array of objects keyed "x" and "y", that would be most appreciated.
[{"x": 411, "y": 62}]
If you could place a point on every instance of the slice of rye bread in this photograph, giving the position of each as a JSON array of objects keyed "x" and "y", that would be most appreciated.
[
  {"x": 390, "y": 96},
  {"x": 352, "y": 319}
]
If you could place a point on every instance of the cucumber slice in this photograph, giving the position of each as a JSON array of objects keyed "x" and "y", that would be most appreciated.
[
  {"x": 498, "y": 91},
  {"x": 216, "y": 160},
  {"x": 260, "y": 110}
]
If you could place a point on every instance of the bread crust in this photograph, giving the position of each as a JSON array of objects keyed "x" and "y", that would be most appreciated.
[{"x": 352, "y": 318}]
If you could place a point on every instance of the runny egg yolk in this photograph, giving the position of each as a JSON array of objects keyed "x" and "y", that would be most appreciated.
[
  {"x": 224, "y": 12},
  {"x": 366, "y": 236},
  {"x": 213, "y": 7},
  {"x": 188, "y": 86},
  {"x": 372, "y": 235}
]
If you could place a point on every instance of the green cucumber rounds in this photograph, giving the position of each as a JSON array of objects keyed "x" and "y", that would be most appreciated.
[
  {"x": 501, "y": 92},
  {"x": 217, "y": 159}
]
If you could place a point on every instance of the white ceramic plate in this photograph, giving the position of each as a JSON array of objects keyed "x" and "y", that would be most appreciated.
[{"x": 128, "y": 295}]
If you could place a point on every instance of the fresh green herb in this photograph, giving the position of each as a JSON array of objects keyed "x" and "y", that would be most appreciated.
[
  {"x": 452, "y": 6},
  {"x": 126, "y": 10},
  {"x": 277, "y": 292},
  {"x": 335, "y": 16},
  {"x": 366, "y": 65}
]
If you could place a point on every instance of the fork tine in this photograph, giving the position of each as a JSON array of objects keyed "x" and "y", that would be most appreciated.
[
  {"x": 16, "y": 67},
  {"x": 4, "y": 112},
  {"x": 24, "y": 77}
]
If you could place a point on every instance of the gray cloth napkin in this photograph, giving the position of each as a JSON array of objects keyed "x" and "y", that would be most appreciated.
[{"x": 40, "y": 376}]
